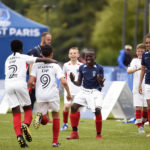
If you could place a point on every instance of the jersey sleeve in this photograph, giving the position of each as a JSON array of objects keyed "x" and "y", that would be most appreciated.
[
  {"x": 33, "y": 70},
  {"x": 64, "y": 68},
  {"x": 30, "y": 59},
  {"x": 59, "y": 72},
  {"x": 132, "y": 64}
]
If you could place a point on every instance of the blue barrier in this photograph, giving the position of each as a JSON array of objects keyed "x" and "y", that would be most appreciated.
[{"x": 112, "y": 73}]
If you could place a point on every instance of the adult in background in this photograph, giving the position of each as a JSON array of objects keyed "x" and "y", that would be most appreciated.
[
  {"x": 125, "y": 57},
  {"x": 36, "y": 52},
  {"x": 145, "y": 71}
]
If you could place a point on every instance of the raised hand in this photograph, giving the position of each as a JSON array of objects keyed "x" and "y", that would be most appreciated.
[
  {"x": 72, "y": 77},
  {"x": 100, "y": 80}
]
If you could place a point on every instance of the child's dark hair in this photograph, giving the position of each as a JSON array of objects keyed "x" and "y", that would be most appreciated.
[
  {"x": 90, "y": 51},
  {"x": 16, "y": 46},
  {"x": 46, "y": 50}
]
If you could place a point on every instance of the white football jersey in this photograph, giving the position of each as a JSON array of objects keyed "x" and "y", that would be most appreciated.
[
  {"x": 46, "y": 85},
  {"x": 16, "y": 66},
  {"x": 67, "y": 69},
  {"x": 136, "y": 63}
]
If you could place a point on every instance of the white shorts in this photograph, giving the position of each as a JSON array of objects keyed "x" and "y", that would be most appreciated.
[
  {"x": 147, "y": 91},
  {"x": 90, "y": 98},
  {"x": 17, "y": 93},
  {"x": 44, "y": 107},
  {"x": 139, "y": 100}
]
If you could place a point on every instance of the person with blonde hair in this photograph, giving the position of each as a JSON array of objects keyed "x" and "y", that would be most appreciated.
[
  {"x": 71, "y": 66},
  {"x": 138, "y": 99}
]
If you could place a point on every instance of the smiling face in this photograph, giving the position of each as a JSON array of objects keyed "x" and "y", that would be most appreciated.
[
  {"x": 73, "y": 54},
  {"x": 147, "y": 43},
  {"x": 139, "y": 52},
  {"x": 90, "y": 58},
  {"x": 47, "y": 39}
]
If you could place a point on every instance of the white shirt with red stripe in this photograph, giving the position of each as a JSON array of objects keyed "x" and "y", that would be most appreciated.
[
  {"x": 67, "y": 69},
  {"x": 16, "y": 66}
]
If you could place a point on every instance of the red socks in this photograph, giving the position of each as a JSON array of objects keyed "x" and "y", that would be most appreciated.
[
  {"x": 145, "y": 116},
  {"x": 98, "y": 123},
  {"x": 44, "y": 120},
  {"x": 17, "y": 123},
  {"x": 28, "y": 116},
  {"x": 56, "y": 128},
  {"x": 138, "y": 115},
  {"x": 74, "y": 118},
  {"x": 65, "y": 117}
]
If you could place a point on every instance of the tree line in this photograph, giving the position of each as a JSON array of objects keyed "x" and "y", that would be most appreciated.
[{"x": 93, "y": 24}]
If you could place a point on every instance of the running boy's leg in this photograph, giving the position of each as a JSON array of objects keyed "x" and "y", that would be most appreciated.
[
  {"x": 17, "y": 126},
  {"x": 56, "y": 128},
  {"x": 74, "y": 118},
  {"x": 27, "y": 122},
  {"x": 98, "y": 122}
]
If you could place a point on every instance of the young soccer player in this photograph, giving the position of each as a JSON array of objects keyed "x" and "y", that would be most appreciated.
[
  {"x": 91, "y": 77},
  {"x": 138, "y": 99},
  {"x": 70, "y": 66},
  {"x": 145, "y": 71},
  {"x": 16, "y": 89},
  {"x": 47, "y": 94}
]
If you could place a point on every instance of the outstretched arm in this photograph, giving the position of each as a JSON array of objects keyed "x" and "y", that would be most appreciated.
[
  {"x": 100, "y": 80},
  {"x": 131, "y": 70},
  {"x": 65, "y": 84},
  {"x": 141, "y": 78},
  {"x": 46, "y": 60}
]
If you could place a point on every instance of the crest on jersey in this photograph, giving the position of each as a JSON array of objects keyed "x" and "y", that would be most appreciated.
[
  {"x": 94, "y": 73},
  {"x": 4, "y": 17}
]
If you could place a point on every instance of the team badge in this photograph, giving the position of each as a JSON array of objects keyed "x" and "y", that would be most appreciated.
[
  {"x": 4, "y": 17},
  {"x": 94, "y": 73}
]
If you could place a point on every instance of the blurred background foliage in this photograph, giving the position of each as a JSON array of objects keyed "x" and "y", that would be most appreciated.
[{"x": 95, "y": 24}]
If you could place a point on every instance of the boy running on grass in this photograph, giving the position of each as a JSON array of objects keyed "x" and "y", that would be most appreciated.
[
  {"x": 91, "y": 78},
  {"x": 47, "y": 93},
  {"x": 139, "y": 101},
  {"x": 70, "y": 66},
  {"x": 16, "y": 89}
]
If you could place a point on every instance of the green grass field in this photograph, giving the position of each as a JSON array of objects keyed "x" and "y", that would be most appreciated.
[{"x": 116, "y": 136}]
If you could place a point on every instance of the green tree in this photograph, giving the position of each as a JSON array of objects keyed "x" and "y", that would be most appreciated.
[
  {"x": 107, "y": 35},
  {"x": 71, "y": 23},
  {"x": 75, "y": 23},
  {"x": 17, "y": 5}
]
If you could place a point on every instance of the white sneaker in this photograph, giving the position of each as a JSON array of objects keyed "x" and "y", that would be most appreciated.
[
  {"x": 64, "y": 127},
  {"x": 141, "y": 130}
]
